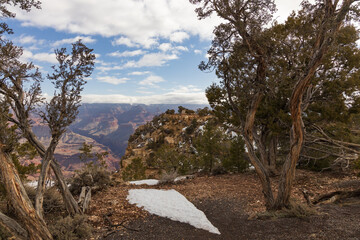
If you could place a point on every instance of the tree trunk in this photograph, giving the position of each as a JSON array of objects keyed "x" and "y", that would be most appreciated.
[
  {"x": 24, "y": 209},
  {"x": 45, "y": 165},
  {"x": 330, "y": 26},
  {"x": 260, "y": 169},
  {"x": 71, "y": 206},
  {"x": 11, "y": 226}
]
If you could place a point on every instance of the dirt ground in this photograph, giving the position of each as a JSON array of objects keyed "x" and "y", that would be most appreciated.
[{"x": 230, "y": 202}]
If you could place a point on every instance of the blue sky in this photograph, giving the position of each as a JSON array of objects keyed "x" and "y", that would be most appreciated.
[{"x": 147, "y": 50}]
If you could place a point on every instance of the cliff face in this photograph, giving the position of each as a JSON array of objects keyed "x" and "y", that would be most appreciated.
[
  {"x": 106, "y": 126},
  {"x": 175, "y": 130}
]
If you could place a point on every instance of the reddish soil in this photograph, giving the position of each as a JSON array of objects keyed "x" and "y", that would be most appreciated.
[{"x": 230, "y": 202}]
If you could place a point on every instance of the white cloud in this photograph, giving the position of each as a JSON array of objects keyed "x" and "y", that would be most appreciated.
[
  {"x": 124, "y": 41},
  {"x": 41, "y": 57},
  {"x": 187, "y": 95},
  {"x": 113, "y": 80},
  {"x": 151, "y": 81},
  {"x": 151, "y": 60},
  {"x": 73, "y": 40},
  {"x": 181, "y": 48},
  {"x": 137, "y": 21},
  {"x": 179, "y": 37},
  {"x": 139, "y": 73},
  {"x": 127, "y": 53},
  {"x": 197, "y": 51},
  {"x": 24, "y": 39},
  {"x": 165, "y": 47}
]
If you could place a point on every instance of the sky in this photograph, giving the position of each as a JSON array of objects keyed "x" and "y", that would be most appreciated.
[{"x": 148, "y": 51}]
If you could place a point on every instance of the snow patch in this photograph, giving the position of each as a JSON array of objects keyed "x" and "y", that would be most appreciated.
[
  {"x": 170, "y": 204},
  {"x": 150, "y": 182}
]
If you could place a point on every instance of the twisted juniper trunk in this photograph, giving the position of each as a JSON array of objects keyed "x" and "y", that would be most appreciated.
[
  {"x": 34, "y": 224},
  {"x": 260, "y": 169},
  {"x": 71, "y": 205},
  {"x": 46, "y": 161}
]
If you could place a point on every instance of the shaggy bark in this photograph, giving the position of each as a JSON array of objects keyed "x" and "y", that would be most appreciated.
[
  {"x": 24, "y": 209},
  {"x": 327, "y": 31}
]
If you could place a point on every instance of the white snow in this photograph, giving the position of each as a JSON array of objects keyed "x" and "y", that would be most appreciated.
[
  {"x": 150, "y": 182},
  {"x": 34, "y": 183},
  {"x": 170, "y": 204},
  {"x": 179, "y": 178}
]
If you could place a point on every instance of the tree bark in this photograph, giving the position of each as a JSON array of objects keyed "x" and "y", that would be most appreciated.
[
  {"x": 24, "y": 209},
  {"x": 71, "y": 206},
  {"x": 45, "y": 165},
  {"x": 327, "y": 31},
  {"x": 13, "y": 227},
  {"x": 260, "y": 169}
]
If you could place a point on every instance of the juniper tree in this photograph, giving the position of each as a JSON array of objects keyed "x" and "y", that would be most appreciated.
[{"x": 256, "y": 60}]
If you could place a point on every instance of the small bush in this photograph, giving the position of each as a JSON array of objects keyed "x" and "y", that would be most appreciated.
[
  {"x": 190, "y": 129},
  {"x": 71, "y": 228},
  {"x": 168, "y": 177},
  {"x": 134, "y": 171},
  {"x": 93, "y": 175},
  {"x": 170, "y": 111},
  {"x": 53, "y": 201}
]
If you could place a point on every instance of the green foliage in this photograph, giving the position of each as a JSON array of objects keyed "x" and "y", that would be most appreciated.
[
  {"x": 170, "y": 161},
  {"x": 134, "y": 171},
  {"x": 53, "y": 201},
  {"x": 236, "y": 162},
  {"x": 94, "y": 173},
  {"x": 212, "y": 147},
  {"x": 202, "y": 112},
  {"x": 85, "y": 152},
  {"x": 170, "y": 111},
  {"x": 190, "y": 129},
  {"x": 69, "y": 228},
  {"x": 154, "y": 145},
  {"x": 180, "y": 109}
]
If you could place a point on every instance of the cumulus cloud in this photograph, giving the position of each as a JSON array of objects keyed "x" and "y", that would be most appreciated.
[
  {"x": 197, "y": 51},
  {"x": 25, "y": 40},
  {"x": 113, "y": 80},
  {"x": 73, "y": 40},
  {"x": 151, "y": 60},
  {"x": 136, "y": 21},
  {"x": 41, "y": 57},
  {"x": 165, "y": 47},
  {"x": 127, "y": 53},
  {"x": 179, "y": 37},
  {"x": 124, "y": 41},
  {"x": 151, "y": 81}
]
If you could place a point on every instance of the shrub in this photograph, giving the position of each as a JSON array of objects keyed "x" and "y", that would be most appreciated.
[
  {"x": 236, "y": 161},
  {"x": 170, "y": 111},
  {"x": 190, "y": 129},
  {"x": 134, "y": 171},
  {"x": 154, "y": 145},
  {"x": 170, "y": 161},
  {"x": 71, "y": 228},
  {"x": 53, "y": 201},
  {"x": 203, "y": 111},
  {"x": 93, "y": 175}
]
